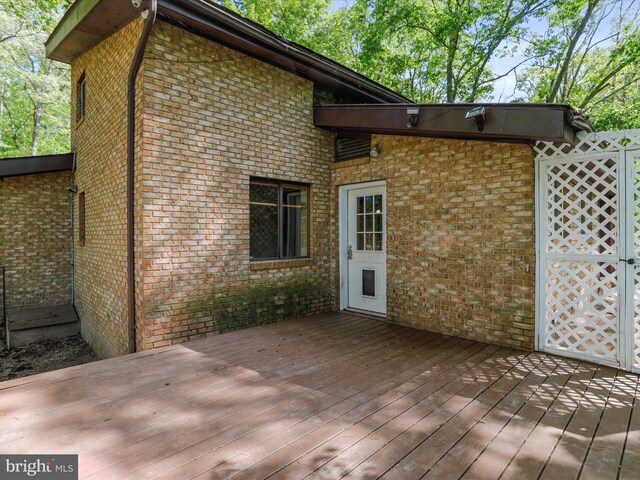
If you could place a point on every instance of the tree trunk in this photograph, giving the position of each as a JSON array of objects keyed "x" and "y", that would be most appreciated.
[
  {"x": 561, "y": 75},
  {"x": 451, "y": 56},
  {"x": 37, "y": 112},
  {"x": 37, "y": 117}
]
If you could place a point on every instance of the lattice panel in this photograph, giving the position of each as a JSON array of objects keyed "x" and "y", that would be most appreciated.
[
  {"x": 582, "y": 207},
  {"x": 591, "y": 143},
  {"x": 582, "y": 308}
]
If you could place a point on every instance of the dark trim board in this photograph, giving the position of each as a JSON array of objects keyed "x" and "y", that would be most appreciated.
[
  {"x": 12, "y": 167},
  {"x": 502, "y": 122}
]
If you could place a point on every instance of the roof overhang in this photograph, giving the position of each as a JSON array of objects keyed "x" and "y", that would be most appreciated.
[
  {"x": 88, "y": 22},
  {"x": 506, "y": 122},
  {"x": 12, "y": 167}
]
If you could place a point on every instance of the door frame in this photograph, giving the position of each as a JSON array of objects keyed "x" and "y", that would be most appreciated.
[{"x": 343, "y": 240}]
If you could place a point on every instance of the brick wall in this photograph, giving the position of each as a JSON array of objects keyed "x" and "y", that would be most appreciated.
[
  {"x": 34, "y": 239},
  {"x": 100, "y": 143},
  {"x": 460, "y": 214},
  {"x": 460, "y": 235},
  {"x": 213, "y": 118}
]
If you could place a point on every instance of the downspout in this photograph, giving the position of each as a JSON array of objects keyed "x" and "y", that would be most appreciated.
[
  {"x": 72, "y": 191},
  {"x": 150, "y": 18}
]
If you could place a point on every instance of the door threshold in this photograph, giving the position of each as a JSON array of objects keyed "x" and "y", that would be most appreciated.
[{"x": 366, "y": 313}]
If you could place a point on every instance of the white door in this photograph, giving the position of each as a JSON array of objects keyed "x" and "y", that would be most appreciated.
[{"x": 366, "y": 249}]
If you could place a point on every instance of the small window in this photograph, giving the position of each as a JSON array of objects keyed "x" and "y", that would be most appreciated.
[
  {"x": 279, "y": 220},
  {"x": 82, "y": 215},
  {"x": 81, "y": 93}
]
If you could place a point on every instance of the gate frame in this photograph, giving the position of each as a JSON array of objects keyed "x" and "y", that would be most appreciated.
[{"x": 592, "y": 145}]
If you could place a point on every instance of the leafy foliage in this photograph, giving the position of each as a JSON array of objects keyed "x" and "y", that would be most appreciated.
[
  {"x": 449, "y": 50},
  {"x": 34, "y": 91},
  {"x": 295, "y": 20},
  {"x": 599, "y": 75}
]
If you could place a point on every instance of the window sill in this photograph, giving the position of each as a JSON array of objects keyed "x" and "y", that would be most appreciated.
[{"x": 269, "y": 264}]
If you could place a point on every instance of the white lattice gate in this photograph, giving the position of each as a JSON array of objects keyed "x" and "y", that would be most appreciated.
[{"x": 588, "y": 262}]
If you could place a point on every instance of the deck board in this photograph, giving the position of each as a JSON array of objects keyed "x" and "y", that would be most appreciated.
[
  {"x": 367, "y": 417},
  {"x": 512, "y": 430},
  {"x": 327, "y": 397}
]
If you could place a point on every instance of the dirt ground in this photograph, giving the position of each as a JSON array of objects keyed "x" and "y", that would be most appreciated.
[{"x": 44, "y": 356}]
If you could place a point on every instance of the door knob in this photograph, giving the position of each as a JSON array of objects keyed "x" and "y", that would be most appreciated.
[{"x": 629, "y": 261}]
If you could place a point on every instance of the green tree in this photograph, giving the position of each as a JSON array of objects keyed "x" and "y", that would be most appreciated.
[
  {"x": 576, "y": 63},
  {"x": 443, "y": 50},
  {"x": 34, "y": 91},
  {"x": 465, "y": 36},
  {"x": 429, "y": 50},
  {"x": 295, "y": 20}
]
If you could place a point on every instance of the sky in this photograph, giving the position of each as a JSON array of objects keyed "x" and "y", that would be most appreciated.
[{"x": 340, "y": 3}]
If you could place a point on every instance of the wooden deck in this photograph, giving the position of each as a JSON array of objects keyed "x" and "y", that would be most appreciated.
[{"x": 328, "y": 397}]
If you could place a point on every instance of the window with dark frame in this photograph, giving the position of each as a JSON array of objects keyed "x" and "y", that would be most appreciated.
[
  {"x": 82, "y": 215},
  {"x": 81, "y": 93},
  {"x": 279, "y": 220}
]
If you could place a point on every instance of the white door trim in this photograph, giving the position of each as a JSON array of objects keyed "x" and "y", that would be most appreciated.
[{"x": 343, "y": 241}]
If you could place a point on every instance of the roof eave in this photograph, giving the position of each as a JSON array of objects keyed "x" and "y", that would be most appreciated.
[
  {"x": 18, "y": 166},
  {"x": 88, "y": 22}
]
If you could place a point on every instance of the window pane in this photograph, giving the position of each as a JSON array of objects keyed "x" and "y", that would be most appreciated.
[
  {"x": 377, "y": 204},
  {"x": 295, "y": 221},
  {"x": 368, "y": 204},
  {"x": 82, "y": 231},
  {"x": 369, "y": 223},
  {"x": 360, "y": 204},
  {"x": 378, "y": 223},
  {"x": 81, "y": 97},
  {"x": 263, "y": 213},
  {"x": 378, "y": 239},
  {"x": 360, "y": 241},
  {"x": 369, "y": 240},
  {"x": 264, "y": 192}
]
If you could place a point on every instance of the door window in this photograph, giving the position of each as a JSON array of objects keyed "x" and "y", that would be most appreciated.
[{"x": 369, "y": 218}]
